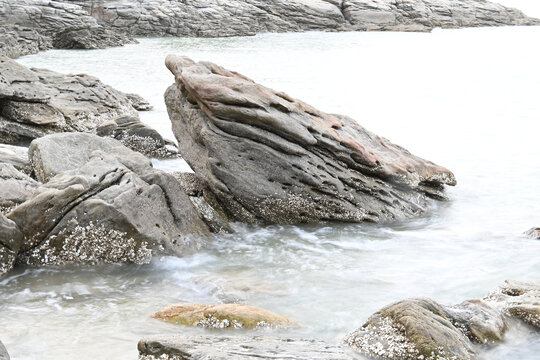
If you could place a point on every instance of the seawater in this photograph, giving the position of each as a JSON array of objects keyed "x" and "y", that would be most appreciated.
[{"x": 465, "y": 99}]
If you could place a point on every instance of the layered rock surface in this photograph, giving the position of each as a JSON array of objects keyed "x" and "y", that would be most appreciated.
[
  {"x": 423, "y": 329},
  {"x": 106, "y": 205},
  {"x": 181, "y": 347},
  {"x": 37, "y": 102},
  {"x": 269, "y": 158}
]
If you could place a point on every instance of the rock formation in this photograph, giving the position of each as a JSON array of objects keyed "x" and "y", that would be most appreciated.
[
  {"x": 269, "y": 158},
  {"x": 101, "y": 23},
  {"x": 16, "y": 156},
  {"x": 180, "y": 347},
  {"x": 423, "y": 329},
  {"x": 221, "y": 316},
  {"x": 108, "y": 205},
  {"x": 37, "y": 102}
]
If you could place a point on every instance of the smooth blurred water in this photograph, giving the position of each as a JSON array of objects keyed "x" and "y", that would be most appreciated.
[{"x": 466, "y": 99}]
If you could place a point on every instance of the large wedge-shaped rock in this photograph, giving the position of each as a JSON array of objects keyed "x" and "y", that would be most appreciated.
[
  {"x": 272, "y": 159},
  {"x": 114, "y": 207}
]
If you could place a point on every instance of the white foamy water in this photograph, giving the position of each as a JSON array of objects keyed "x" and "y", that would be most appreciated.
[{"x": 466, "y": 99}]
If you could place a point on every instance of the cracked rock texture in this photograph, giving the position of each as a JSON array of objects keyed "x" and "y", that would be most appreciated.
[
  {"x": 37, "y": 102},
  {"x": 269, "y": 158},
  {"x": 181, "y": 347},
  {"x": 110, "y": 206},
  {"x": 423, "y": 329}
]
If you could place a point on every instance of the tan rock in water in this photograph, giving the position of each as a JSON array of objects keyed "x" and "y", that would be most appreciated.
[{"x": 221, "y": 316}]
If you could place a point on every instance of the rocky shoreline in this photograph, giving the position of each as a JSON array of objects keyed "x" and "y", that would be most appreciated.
[{"x": 29, "y": 26}]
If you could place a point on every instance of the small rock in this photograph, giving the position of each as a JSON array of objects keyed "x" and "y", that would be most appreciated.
[
  {"x": 533, "y": 233},
  {"x": 221, "y": 316}
]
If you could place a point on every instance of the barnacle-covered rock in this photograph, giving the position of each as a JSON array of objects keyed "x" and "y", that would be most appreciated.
[
  {"x": 269, "y": 158},
  {"x": 221, "y": 316}
]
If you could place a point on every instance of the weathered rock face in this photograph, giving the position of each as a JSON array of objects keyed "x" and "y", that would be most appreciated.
[
  {"x": 16, "y": 156},
  {"x": 15, "y": 187},
  {"x": 138, "y": 136},
  {"x": 221, "y": 316},
  {"x": 37, "y": 102},
  {"x": 96, "y": 37},
  {"x": 533, "y": 233},
  {"x": 3, "y": 352},
  {"x": 113, "y": 208},
  {"x": 422, "y": 329},
  {"x": 272, "y": 159},
  {"x": 180, "y": 347},
  {"x": 247, "y": 17},
  {"x": 17, "y": 41},
  {"x": 11, "y": 240}
]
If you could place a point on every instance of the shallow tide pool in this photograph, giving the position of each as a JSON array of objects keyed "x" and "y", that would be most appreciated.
[{"x": 465, "y": 99}]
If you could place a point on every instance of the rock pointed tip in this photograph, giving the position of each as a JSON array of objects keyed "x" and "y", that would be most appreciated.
[{"x": 175, "y": 63}]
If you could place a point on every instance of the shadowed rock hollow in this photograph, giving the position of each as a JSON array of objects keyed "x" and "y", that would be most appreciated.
[{"x": 270, "y": 158}]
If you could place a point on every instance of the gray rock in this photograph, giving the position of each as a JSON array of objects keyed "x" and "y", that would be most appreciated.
[
  {"x": 113, "y": 208},
  {"x": 96, "y": 37},
  {"x": 15, "y": 187},
  {"x": 3, "y": 352},
  {"x": 137, "y": 136},
  {"x": 533, "y": 233},
  {"x": 16, "y": 156},
  {"x": 180, "y": 347},
  {"x": 18, "y": 41},
  {"x": 139, "y": 103},
  {"x": 422, "y": 329},
  {"x": 11, "y": 240},
  {"x": 205, "y": 202},
  {"x": 269, "y": 158},
  {"x": 38, "y": 102}
]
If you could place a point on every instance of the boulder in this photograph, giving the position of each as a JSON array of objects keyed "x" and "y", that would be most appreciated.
[
  {"x": 180, "y": 347},
  {"x": 16, "y": 156},
  {"x": 269, "y": 158},
  {"x": 95, "y": 37},
  {"x": 137, "y": 136},
  {"x": 221, "y": 316},
  {"x": 533, "y": 233},
  {"x": 15, "y": 187},
  {"x": 423, "y": 329},
  {"x": 38, "y": 102},
  {"x": 112, "y": 208}
]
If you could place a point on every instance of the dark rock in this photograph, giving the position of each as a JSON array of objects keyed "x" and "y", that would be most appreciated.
[
  {"x": 15, "y": 187},
  {"x": 533, "y": 233},
  {"x": 37, "y": 102},
  {"x": 96, "y": 37},
  {"x": 113, "y": 208},
  {"x": 205, "y": 202},
  {"x": 11, "y": 240},
  {"x": 180, "y": 347},
  {"x": 269, "y": 158},
  {"x": 137, "y": 136}
]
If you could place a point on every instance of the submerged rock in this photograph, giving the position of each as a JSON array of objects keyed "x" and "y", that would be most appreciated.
[
  {"x": 95, "y": 37},
  {"x": 137, "y": 136},
  {"x": 533, "y": 233},
  {"x": 423, "y": 329},
  {"x": 109, "y": 206},
  {"x": 269, "y": 158},
  {"x": 180, "y": 347},
  {"x": 38, "y": 102},
  {"x": 221, "y": 316}
]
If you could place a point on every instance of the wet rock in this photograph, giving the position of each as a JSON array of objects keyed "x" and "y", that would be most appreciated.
[
  {"x": 205, "y": 202},
  {"x": 113, "y": 208},
  {"x": 15, "y": 187},
  {"x": 533, "y": 233},
  {"x": 16, "y": 156},
  {"x": 38, "y": 102},
  {"x": 518, "y": 299},
  {"x": 137, "y": 136},
  {"x": 269, "y": 158},
  {"x": 179, "y": 347},
  {"x": 410, "y": 330},
  {"x": 11, "y": 240},
  {"x": 96, "y": 37},
  {"x": 221, "y": 316}
]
